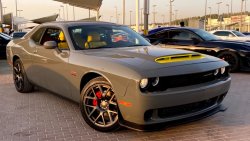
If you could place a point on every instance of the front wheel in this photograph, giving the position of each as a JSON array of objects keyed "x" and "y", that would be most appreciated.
[
  {"x": 99, "y": 105},
  {"x": 232, "y": 60}
]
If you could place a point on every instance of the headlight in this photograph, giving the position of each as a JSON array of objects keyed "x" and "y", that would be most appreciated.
[
  {"x": 156, "y": 81},
  {"x": 144, "y": 83},
  {"x": 216, "y": 72},
  {"x": 223, "y": 70}
]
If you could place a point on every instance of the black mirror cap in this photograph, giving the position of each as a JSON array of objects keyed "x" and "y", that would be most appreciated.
[{"x": 50, "y": 45}]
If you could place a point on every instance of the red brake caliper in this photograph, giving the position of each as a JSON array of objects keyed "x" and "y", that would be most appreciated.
[{"x": 99, "y": 96}]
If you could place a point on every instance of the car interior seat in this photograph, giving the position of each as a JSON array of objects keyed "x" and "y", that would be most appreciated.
[
  {"x": 62, "y": 44},
  {"x": 79, "y": 40},
  {"x": 94, "y": 40}
]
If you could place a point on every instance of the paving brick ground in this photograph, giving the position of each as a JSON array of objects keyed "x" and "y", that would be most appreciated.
[{"x": 41, "y": 116}]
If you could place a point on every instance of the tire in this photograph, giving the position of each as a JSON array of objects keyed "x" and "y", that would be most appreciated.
[
  {"x": 232, "y": 59},
  {"x": 98, "y": 105},
  {"x": 21, "y": 81}
]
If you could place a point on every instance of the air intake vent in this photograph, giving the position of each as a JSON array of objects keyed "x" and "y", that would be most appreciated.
[{"x": 178, "y": 58}]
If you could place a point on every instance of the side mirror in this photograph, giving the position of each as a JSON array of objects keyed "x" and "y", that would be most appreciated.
[
  {"x": 230, "y": 35},
  {"x": 147, "y": 39},
  {"x": 50, "y": 45}
]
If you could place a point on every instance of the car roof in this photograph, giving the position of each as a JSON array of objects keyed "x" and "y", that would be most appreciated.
[
  {"x": 171, "y": 28},
  {"x": 77, "y": 23}
]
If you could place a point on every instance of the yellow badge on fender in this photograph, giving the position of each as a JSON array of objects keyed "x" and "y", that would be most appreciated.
[{"x": 179, "y": 58}]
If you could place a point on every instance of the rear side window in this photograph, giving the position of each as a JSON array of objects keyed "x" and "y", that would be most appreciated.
[
  {"x": 181, "y": 35},
  {"x": 37, "y": 35},
  {"x": 222, "y": 33}
]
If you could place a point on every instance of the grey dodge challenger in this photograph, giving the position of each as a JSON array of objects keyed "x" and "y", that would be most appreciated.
[{"x": 117, "y": 77}]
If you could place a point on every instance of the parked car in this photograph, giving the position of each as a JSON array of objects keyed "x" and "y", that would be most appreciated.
[
  {"x": 118, "y": 77},
  {"x": 246, "y": 33},
  {"x": 237, "y": 54},
  {"x": 16, "y": 35},
  {"x": 4, "y": 40},
  {"x": 231, "y": 35}
]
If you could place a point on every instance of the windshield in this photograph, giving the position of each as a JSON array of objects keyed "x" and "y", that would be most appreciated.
[
  {"x": 105, "y": 36},
  {"x": 239, "y": 34},
  {"x": 205, "y": 35}
]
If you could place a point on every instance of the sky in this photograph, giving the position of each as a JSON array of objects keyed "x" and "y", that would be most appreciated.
[{"x": 33, "y": 9}]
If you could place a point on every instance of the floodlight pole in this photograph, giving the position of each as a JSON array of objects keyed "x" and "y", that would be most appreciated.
[
  {"x": 74, "y": 16},
  {"x": 89, "y": 13},
  {"x": 123, "y": 12},
  {"x": 130, "y": 18},
  {"x": 1, "y": 15},
  {"x": 205, "y": 17},
  {"x": 146, "y": 13},
  {"x": 59, "y": 13},
  {"x": 137, "y": 15},
  {"x": 67, "y": 12},
  {"x": 154, "y": 13},
  {"x": 16, "y": 8},
  {"x": 116, "y": 14},
  {"x": 241, "y": 15},
  {"x": 63, "y": 12},
  {"x": 141, "y": 23},
  {"x": 170, "y": 12},
  {"x": 97, "y": 15},
  {"x": 4, "y": 9}
]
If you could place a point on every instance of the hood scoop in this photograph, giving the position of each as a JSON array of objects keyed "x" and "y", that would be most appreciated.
[{"x": 179, "y": 58}]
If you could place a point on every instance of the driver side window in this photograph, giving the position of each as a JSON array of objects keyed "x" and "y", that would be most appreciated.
[
  {"x": 57, "y": 35},
  {"x": 181, "y": 35}
]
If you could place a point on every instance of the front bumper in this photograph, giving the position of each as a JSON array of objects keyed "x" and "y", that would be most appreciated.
[{"x": 147, "y": 111}]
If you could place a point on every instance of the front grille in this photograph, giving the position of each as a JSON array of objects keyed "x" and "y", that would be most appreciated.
[
  {"x": 189, "y": 108},
  {"x": 189, "y": 79},
  {"x": 186, "y": 80}
]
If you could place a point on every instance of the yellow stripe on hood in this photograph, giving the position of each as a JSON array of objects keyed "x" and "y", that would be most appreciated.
[{"x": 179, "y": 58}]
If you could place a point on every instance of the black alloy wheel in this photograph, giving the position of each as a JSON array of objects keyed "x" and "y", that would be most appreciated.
[
  {"x": 232, "y": 60},
  {"x": 21, "y": 81}
]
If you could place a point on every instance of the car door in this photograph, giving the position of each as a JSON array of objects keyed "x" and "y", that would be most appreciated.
[{"x": 52, "y": 64}]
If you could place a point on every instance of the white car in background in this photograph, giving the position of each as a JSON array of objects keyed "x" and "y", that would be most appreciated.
[{"x": 230, "y": 35}]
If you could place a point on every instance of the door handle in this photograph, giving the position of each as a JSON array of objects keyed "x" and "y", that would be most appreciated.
[{"x": 35, "y": 51}]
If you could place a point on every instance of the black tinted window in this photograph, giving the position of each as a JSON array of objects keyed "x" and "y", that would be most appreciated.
[
  {"x": 181, "y": 35},
  {"x": 159, "y": 35},
  {"x": 222, "y": 33}
]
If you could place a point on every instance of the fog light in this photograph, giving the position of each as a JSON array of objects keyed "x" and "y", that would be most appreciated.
[
  {"x": 216, "y": 72},
  {"x": 156, "y": 81},
  {"x": 144, "y": 83},
  {"x": 223, "y": 70}
]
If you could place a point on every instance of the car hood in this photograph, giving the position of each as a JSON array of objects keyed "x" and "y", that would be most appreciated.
[{"x": 145, "y": 58}]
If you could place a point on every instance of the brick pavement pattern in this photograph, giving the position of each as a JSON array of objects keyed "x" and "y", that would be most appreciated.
[{"x": 43, "y": 116}]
